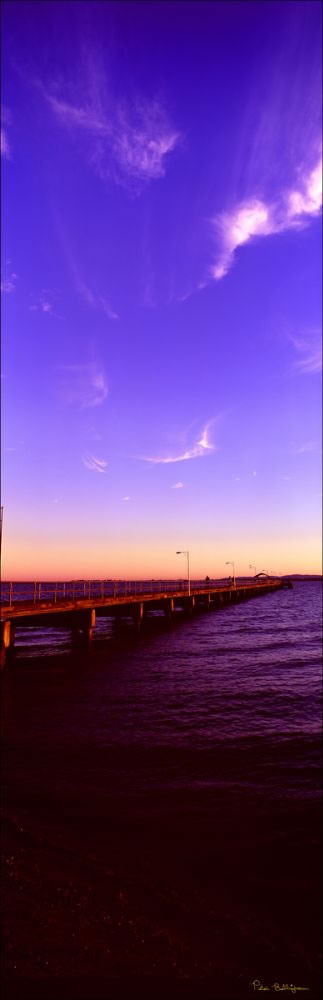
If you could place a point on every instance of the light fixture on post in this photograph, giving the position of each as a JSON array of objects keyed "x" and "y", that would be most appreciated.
[{"x": 231, "y": 563}]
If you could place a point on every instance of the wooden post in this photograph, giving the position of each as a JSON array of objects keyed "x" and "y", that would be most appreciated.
[
  {"x": 5, "y": 634},
  {"x": 85, "y": 622},
  {"x": 169, "y": 609},
  {"x": 189, "y": 604},
  {"x": 8, "y": 630},
  {"x": 138, "y": 614},
  {"x": 91, "y": 624}
]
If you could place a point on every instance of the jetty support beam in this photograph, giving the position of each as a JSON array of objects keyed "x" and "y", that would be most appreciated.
[
  {"x": 8, "y": 631},
  {"x": 138, "y": 614},
  {"x": 190, "y": 605},
  {"x": 83, "y": 622},
  {"x": 169, "y": 607}
]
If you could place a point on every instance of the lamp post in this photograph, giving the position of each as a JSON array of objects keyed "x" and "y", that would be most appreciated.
[
  {"x": 253, "y": 567},
  {"x": 231, "y": 563},
  {"x": 185, "y": 552}
]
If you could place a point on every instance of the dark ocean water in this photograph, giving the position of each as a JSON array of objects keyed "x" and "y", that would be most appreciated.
[{"x": 187, "y": 761}]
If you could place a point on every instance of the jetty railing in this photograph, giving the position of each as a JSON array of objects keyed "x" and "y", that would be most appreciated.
[{"x": 76, "y": 590}]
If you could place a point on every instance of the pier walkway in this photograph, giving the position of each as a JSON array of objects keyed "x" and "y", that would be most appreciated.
[{"x": 76, "y": 605}]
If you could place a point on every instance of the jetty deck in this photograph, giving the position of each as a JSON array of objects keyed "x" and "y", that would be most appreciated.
[{"x": 76, "y": 605}]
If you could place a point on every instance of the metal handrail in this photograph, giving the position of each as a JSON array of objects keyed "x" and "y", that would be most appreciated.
[{"x": 83, "y": 590}]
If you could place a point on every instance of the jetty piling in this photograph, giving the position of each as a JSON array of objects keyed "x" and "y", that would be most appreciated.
[{"x": 78, "y": 605}]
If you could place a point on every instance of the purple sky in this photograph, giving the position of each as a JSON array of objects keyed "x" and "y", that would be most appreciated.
[{"x": 161, "y": 280}]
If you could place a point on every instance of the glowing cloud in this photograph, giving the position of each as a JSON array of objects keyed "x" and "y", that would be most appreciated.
[
  {"x": 305, "y": 448},
  {"x": 96, "y": 301},
  {"x": 5, "y": 148},
  {"x": 127, "y": 141},
  {"x": 83, "y": 385},
  {"x": 9, "y": 284},
  {"x": 177, "y": 486},
  {"x": 252, "y": 218},
  {"x": 96, "y": 464},
  {"x": 43, "y": 304},
  {"x": 309, "y": 349},
  {"x": 202, "y": 446}
]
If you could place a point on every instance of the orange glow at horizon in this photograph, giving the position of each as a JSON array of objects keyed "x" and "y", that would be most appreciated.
[{"x": 36, "y": 560}]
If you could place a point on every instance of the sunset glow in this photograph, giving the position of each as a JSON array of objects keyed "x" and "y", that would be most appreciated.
[{"x": 161, "y": 289}]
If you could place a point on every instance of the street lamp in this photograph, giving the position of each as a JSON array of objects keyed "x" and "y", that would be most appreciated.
[
  {"x": 231, "y": 563},
  {"x": 186, "y": 553},
  {"x": 253, "y": 567}
]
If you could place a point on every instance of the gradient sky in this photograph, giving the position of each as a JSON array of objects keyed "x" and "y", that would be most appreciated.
[{"x": 161, "y": 288}]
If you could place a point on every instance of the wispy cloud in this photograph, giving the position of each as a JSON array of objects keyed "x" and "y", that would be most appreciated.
[
  {"x": 125, "y": 140},
  {"x": 255, "y": 217},
  {"x": 5, "y": 148},
  {"x": 309, "y": 350},
  {"x": 125, "y": 498},
  {"x": 201, "y": 447},
  {"x": 96, "y": 464},
  {"x": 177, "y": 486},
  {"x": 83, "y": 385},
  {"x": 9, "y": 283},
  {"x": 5, "y": 120},
  {"x": 96, "y": 301},
  {"x": 306, "y": 447},
  {"x": 43, "y": 303}
]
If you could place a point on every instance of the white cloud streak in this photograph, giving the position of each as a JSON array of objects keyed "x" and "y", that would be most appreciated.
[
  {"x": 201, "y": 448},
  {"x": 5, "y": 120},
  {"x": 43, "y": 304},
  {"x": 254, "y": 217},
  {"x": 93, "y": 299},
  {"x": 96, "y": 301},
  {"x": 128, "y": 141},
  {"x": 306, "y": 448},
  {"x": 84, "y": 386},
  {"x": 5, "y": 148},
  {"x": 8, "y": 285},
  {"x": 309, "y": 349},
  {"x": 95, "y": 464},
  {"x": 177, "y": 486}
]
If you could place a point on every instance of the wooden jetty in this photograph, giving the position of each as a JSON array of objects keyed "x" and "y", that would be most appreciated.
[{"x": 76, "y": 605}]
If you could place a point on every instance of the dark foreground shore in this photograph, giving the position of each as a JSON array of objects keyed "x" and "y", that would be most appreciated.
[
  {"x": 140, "y": 862},
  {"x": 196, "y": 908}
]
